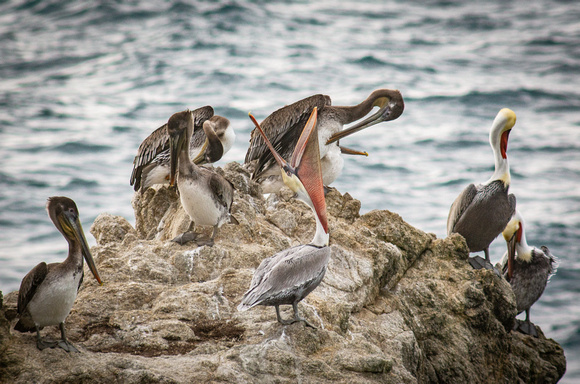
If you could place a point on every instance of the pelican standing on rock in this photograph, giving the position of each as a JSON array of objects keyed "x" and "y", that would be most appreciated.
[
  {"x": 527, "y": 269},
  {"x": 151, "y": 165},
  {"x": 205, "y": 195},
  {"x": 290, "y": 275},
  {"x": 480, "y": 213},
  {"x": 48, "y": 292},
  {"x": 283, "y": 128}
]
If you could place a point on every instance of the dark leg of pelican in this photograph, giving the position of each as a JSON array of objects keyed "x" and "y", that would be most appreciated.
[
  {"x": 525, "y": 326},
  {"x": 64, "y": 343},
  {"x": 186, "y": 236},
  {"x": 297, "y": 318},
  {"x": 43, "y": 344}
]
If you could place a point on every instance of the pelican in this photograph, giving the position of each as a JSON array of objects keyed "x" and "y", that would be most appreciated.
[
  {"x": 527, "y": 269},
  {"x": 205, "y": 195},
  {"x": 290, "y": 275},
  {"x": 151, "y": 165},
  {"x": 48, "y": 292},
  {"x": 480, "y": 213},
  {"x": 283, "y": 127}
]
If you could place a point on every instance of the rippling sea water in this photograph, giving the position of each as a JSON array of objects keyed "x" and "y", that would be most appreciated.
[{"x": 83, "y": 83}]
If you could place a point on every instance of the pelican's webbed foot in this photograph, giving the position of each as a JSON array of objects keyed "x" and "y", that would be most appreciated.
[
  {"x": 296, "y": 319},
  {"x": 478, "y": 262},
  {"x": 43, "y": 344},
  {"x": 207, "y": 241},
  {"x": 185, "y": 237},
  {"x": 64, "y": 343},
  {"x": 525, "y": 327},
  {"x": 67, "y": 346}
]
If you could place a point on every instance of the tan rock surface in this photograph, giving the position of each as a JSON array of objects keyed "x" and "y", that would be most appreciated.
[{"x": 397, "y": 305}]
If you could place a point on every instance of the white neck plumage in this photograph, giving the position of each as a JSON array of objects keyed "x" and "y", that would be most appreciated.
[
  {"x": 523, "y": 250},
  {"x": 502, "y": 167},
  {"x": 321, "y": 238}
]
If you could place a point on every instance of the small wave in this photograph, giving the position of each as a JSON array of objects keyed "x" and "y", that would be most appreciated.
[
  {"x": 77, "y": 183},
  {"x": 516, "y": 97},
  {"x": 81, "y": 147},
  {"x": 477, "y": 22},
  {"x": 231, "y": 113},
  {"x": 370, "y": 61},
  {"x": 41, "y": 65},
  {"x": 50, "y": 113},
  {"x": 226, "y": 9},
  {"x": 460, "y": 143},
  {"x": 564, "y": 68},
  {"x": 545, "y": 41}
]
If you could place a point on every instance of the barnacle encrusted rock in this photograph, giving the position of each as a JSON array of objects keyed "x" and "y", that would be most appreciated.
[{"x": 396, "y": 305}]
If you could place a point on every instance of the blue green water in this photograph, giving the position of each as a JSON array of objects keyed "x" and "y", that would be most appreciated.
[{"x": 83, "y": 83}]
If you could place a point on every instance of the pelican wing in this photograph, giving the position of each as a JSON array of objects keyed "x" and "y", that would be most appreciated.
[
  {"x": 222, "y": 189},
  {"x": 459, "y": 206},
  {"x": 286, "y": 271},
  {"x": 158, "y": 142},
  {"x": 283, "y": 128},
  {"x": 30, "y": 284}
]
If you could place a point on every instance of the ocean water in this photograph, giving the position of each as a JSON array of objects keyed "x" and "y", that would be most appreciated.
[{"x": 83, "y": 83}]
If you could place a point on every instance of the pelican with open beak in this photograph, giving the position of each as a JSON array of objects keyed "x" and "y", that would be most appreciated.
[
  {"x": 527, "y": 269},
  {"x": 290, "y": 275},
  {"x": 284, "y": 127},
  {"x": 205, "y": 195},
  {"x": 48, "y": 292},
  {"x": 480, "y": 213}
]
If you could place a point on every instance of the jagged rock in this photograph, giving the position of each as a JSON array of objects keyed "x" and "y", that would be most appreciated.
[{"x": 396, "y": 305}]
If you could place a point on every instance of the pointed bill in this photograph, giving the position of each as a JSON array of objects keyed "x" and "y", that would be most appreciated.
[
  {"x": 73, "y": 224},
  {"x": 305, "y": 164},
  {"x": 281, "y": 162},
  {"x": 308, "y": 169}
]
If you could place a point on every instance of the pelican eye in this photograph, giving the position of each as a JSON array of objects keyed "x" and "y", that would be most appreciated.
[{"x": 288, "y": 170}]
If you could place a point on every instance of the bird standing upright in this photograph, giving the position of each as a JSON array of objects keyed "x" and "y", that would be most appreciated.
[
  {"x": 480, "y": 213},
  {"x": 48, "y": 292},
  {"x": 205, "y": 195},
  {"x": 290, "y": 275},
  {"x": 527, "y": 269}
]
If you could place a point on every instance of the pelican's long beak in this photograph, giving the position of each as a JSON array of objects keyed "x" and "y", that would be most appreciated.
[
  {"x": 200, "y": 158},
  {"x": 512, "y": 235},
  {"x": 73, "y": 228},
  {"x": 176, "y": 141},
  {"x": 304, "y": 174},
  {"x": 388, "y": 110}
]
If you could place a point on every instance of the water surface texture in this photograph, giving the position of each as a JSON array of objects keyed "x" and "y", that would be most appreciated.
[{"x": 83, "y": 83}]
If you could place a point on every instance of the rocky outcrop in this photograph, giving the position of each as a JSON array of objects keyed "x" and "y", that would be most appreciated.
[{"x": 397, "y": 305}]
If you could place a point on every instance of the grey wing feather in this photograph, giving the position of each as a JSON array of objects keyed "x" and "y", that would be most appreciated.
[
  {"x": 283, "y": 128},
  {"x": 459, "y": 206},
  {"x": 30, "y": 284},
  {"x": 285, "y": 271}
]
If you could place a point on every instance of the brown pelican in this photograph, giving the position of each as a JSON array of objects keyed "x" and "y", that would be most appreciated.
[
  {"x": 48, "y": 292},
  {"x": 151, "y": 165},
  {"x": 205, "y": 195},
  {"x": 283, "y": 127},
  {"x": 527, "y": 269},
  {"x": 290, "y": 275},
  {"x": 480, "y": 213}
]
